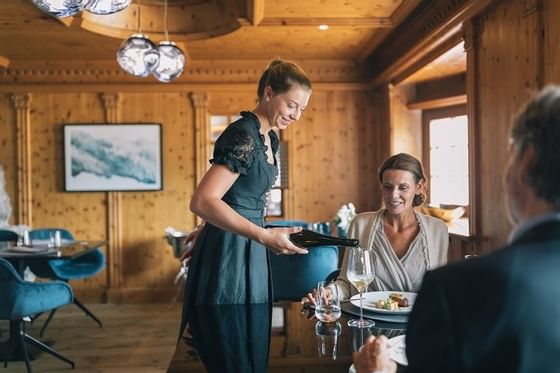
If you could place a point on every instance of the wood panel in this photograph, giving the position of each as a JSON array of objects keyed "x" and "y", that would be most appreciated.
[
  {"x": 508, "y": 75},
  {"x": 8, "y": 151},
  {"x": 147, "y": 259},
  {"x": 406, "y": 125}
]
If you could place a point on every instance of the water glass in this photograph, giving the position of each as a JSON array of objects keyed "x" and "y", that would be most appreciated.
[
  {"x": 327, "y": 308},
  {"x": 327, "y": 338}
]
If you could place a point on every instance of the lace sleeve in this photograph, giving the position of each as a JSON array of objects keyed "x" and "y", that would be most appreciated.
[{"x": 235, "y": 148}]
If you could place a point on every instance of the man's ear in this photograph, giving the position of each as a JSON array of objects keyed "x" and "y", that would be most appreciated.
[{"x": 526, "y": 162}]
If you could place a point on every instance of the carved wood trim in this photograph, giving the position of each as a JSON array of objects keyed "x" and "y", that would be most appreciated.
[
  {"x": 371, "y": 22},
  {"x": 200, "y": 103},
  {"x": 429, "y": 25},
  {"x": 196, "y": 73},
  {"x": 114, "y": 214},
  {"x": 22, "y": 104}
]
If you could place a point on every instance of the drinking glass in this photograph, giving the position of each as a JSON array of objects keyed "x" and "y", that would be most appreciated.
[
  {"x": 360, "y": 273},
  {"x": 327, "y": 334},
  {"x": 327, "y": 308}
]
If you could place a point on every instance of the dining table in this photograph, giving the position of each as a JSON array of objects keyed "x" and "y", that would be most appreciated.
[
  {"x": 238, "y": 338},
  {"x": 20, "y": 256}
]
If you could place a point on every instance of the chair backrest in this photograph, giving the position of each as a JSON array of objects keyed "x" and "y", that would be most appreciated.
[
  {"x": 288, "y": 223},
  {"x": 6, "y": 235},
  {"x": 45, "y": 234},
  {"x": 293, "y": 276}
]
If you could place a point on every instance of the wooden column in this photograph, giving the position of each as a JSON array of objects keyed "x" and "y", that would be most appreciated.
[
  {"x": 114, "y": 217},
  {"x": 471, "y": 35},
  {"x": 23, "y": 122},
  {"x": 202, "y": 132}
]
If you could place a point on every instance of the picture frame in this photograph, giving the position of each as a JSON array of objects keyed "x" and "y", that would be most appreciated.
[{"x": 112, "y": 157}]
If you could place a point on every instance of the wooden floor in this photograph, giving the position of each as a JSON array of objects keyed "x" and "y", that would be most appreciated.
[{"x": 134, "y": 338}]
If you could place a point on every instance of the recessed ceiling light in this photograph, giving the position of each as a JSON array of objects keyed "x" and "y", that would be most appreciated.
[{"x": 323, "y": 27}]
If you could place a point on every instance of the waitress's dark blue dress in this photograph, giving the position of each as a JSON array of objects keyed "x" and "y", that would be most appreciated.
[{"x": 227, "y": 268}]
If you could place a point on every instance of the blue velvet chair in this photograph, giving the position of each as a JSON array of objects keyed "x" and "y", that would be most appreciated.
[
  {"x": 85, "y": 266},
  {"x": 8, "y": 236},
  {"x": 19, "y": 299},
  {"x": 293, "y": 276}
]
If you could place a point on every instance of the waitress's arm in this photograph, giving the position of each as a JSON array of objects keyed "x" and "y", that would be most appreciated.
[{"x": 207, "y": 203}]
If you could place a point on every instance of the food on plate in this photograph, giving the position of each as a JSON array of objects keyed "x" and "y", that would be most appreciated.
[
  {"x": 400, "y": 299},
  {"x": 394, "y": 302}
]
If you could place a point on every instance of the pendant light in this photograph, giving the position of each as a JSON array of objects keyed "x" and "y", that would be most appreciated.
[
  {"x": 138, "y": 55},
  {"x": 171, "y": 58},
  {"x": 61, "y": 8},
  {"x": 107, "y": 6}
]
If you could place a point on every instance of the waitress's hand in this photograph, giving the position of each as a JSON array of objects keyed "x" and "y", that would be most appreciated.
[
  {"x": 188, "y": 243},
  {"x": 310, "y": 298},
  {"x": 278, "y": 241}
]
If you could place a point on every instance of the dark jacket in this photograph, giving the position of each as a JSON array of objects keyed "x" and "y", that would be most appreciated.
[{"x": 498, "y": 313}]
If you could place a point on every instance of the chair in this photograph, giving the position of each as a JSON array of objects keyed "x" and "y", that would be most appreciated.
[
  {"x": 8, "y": 236},
  {"x": 19, "y": 299},
  {"x": 293, "y": 276},
  {"x": 82, "y": 267}
]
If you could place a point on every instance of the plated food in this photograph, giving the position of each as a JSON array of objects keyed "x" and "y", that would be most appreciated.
[{"x": 395, "y": 302}]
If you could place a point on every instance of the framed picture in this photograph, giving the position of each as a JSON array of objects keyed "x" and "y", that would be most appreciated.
[{"x": 112, "y": 157}]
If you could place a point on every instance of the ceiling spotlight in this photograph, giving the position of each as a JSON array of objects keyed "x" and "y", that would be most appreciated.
[
  {"x": 323, "y": 27},
  {"x": 61, "y": 8},
  {"x": 171, "y": 62},
  {"x": 107, "y": 6},
  {"x": 138, "y": 55}
]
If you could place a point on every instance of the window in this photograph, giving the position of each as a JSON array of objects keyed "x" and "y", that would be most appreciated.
[
  {"x": 449, "y": 161},
  {"x": 275, "y": 207}
]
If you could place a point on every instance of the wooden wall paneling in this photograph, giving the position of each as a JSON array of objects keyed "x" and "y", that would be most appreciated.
[
  {"x": 471, "y": 32},
  {"x": 508, "y": 74},
  {"x": 8, "y": 151},
  {"x": 551, "y": 42},
  {"x": 84, "y": 214},
  {"x": 114, "y": 216},
  {"x": 22, "y": 106},
  {"x": 148, "y": 265},
  {"x": 406, "y": 125},
  {"x": 202, "y": 132},
  {"x": 328, "y": 155}
]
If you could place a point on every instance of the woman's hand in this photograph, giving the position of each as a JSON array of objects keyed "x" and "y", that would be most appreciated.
[
  {"x": 374, "y": 357},
  {"x": 188, "y": 243},
  {"x": 278, "y": 241}
]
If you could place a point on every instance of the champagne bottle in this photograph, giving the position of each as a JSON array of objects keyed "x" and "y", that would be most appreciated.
[{"x": 307, "y": 238}]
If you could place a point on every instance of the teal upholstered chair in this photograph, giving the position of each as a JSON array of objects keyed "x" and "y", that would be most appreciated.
[
  {"x": 85, "y": 266},
  {"x": 8, "y": 236},
  {"x": 293, "y": 276},
  {"x": 19, "y": 299}
]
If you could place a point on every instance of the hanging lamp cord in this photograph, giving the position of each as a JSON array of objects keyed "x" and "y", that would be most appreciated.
[
  {"x": 139, "y": 16},
  {"x": 165, "y": 20}
]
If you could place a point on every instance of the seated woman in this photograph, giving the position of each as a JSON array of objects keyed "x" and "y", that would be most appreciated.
[{"x": 406, "y": 243}]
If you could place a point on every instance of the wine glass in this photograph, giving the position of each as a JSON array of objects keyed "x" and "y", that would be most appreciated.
[
  {"x": 360, "y": 273},
  {"x": 327, "y": 308}
]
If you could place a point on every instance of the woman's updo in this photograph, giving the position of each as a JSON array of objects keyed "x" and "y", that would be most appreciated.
[
  {"x": 281, "y": 76},
  {"x": 406, "y": 162}
]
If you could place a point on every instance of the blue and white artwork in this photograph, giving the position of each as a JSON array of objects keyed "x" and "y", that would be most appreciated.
[{"x": 111, "y": 157}]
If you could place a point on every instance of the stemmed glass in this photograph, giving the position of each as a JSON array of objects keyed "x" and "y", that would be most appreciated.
[{"x": 360, "y": 273}]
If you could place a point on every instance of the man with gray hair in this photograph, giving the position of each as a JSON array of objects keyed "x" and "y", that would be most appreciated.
[{"x": 498, "y": 313}]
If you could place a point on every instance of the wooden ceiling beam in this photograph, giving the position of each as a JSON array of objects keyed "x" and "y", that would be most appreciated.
[
  {"x": 369, "y": 22},
  {"x": 430, "y": 25}
]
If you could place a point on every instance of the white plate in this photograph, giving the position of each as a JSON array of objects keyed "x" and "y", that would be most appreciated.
[
  {"x": 372, "y": 297},
  {"x": 397, "y": 351}
]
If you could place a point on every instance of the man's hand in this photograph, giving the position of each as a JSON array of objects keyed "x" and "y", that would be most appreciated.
[{"x": 374, "y": 357}]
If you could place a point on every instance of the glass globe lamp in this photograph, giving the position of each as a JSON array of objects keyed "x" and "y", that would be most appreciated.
[
  {"x": 138, "y": 55},
  {"x": 171, "y": 62},
  {"x": 107, "y": 6},
  {"x": 61, "y": 8}
]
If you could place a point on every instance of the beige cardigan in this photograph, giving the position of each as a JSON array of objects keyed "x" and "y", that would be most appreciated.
[{"x": 427, "y": 251}]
